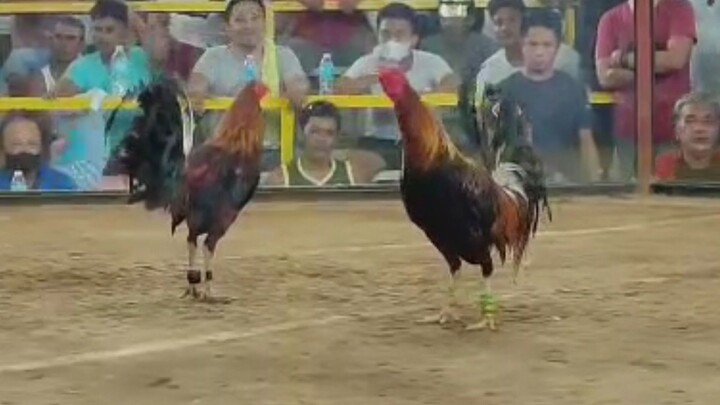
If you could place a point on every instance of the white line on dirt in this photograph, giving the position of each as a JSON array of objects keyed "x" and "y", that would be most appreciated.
[
  {"x": 227, "y": 336},
  {"x": 217, "y": 337},
  {"x": 552, "y": 234}
]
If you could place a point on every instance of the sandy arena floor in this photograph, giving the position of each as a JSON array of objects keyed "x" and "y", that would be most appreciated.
[{"x": 619, "y": 306}]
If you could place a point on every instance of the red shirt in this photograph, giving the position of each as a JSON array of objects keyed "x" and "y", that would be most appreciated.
[
  {"x": 329, "y": 29},
  {"x": 616, "y": 30},
  {"x": 181, "y": 59},
  {"x": 672, "y": 166}
]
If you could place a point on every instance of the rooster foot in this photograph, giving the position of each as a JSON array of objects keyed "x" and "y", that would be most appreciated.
[
  {"x": 193, "y": 277},
  {"x": 488, "y": 321},
  {"x": 488, "y": 307},
  {"x": 193, "y": 291},
  {"x": 445, "y": 316}
]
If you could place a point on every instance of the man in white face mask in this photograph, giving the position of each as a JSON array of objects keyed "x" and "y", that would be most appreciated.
[{"x": 427, "y": 72}]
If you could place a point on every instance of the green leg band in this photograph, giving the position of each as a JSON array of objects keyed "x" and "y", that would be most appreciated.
[{"x": 488, "y": 304}]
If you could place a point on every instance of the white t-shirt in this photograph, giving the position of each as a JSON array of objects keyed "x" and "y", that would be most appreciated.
[{"x": 426, "y": 73}]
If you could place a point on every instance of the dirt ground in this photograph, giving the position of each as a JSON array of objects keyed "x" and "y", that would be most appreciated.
[{"x": 619, "y": 306}]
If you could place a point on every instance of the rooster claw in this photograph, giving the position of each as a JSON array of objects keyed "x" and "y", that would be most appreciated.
[
  {"x": 442, "y": 318},
  {"x": 487, "y": 322},
  {"x": 192, "y": 291}
]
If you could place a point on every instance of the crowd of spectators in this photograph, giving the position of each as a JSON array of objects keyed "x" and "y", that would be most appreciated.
[{"x": 521, "y": 49}]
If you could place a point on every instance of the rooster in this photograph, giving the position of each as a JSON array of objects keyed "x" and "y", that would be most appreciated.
[
  {"x": 466, "y": 208},
  {"x": 206, "y": 187}
]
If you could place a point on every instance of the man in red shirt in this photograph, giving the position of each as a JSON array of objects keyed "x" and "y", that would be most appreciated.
[{"x": 674, "y": 37}]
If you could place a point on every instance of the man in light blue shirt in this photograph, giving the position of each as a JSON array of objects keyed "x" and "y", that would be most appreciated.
[{"x": 92, "y": 72}]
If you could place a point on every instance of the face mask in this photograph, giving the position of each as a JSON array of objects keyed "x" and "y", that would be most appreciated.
[
  {"x": 22, "y": 161},
  {"x": 394, "y": 50}
]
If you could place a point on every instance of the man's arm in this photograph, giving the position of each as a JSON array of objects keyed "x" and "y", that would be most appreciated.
[
  {"x": 365, "y": 165},
  {"x": 448, "y": 84},
  {"x": 447, "y": 81},
  {"x": 198, "y": 89},
  {"x": 676, "y": 57},
  {"x": 360, "y": 77},
  {"x": 609, "y": 73},
  {"x": 275, "y": 178},
  {"x": 65, "y": 87},
  {"x": 199, "y": 81},
  {"x": 296, "y": 90},
  {"x": 356, "y": 85},
  {"x": 36, "y": 86},
  {"x": 296, "y": 83}
]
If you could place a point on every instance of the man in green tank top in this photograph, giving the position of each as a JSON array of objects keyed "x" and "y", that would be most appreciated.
[{"x": 317, "y": 164}]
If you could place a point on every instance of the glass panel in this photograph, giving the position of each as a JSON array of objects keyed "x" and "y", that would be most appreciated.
[
  {"x": 579, "y": 142},
  {"x": 690, "y": 152},
  {"x": 606, "y": 36}
]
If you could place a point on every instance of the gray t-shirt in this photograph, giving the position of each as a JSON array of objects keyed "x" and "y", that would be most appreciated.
[
  {"x": 425, "y": 74},
  {"x": 224, "y": 71},
  {"x": 557, "y": 109}
]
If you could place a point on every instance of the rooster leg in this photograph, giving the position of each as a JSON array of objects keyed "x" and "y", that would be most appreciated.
[
  {"x": 488, "y": 307},
  {"x": 488, "y": 302},
  {"x": 447, "y": 313},
  {"x": 207, "y": 265},
  {"x": 193, "y": 276}
]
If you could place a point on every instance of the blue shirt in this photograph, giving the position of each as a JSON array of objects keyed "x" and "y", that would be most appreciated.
[
  {"x": 48, "y": 179},
  {"x": 90, "y": 72}
]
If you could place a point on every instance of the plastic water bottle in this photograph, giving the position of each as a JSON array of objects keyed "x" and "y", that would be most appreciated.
[
  {"x": 18, "y": 182},
  {"x": 326, "y": 73},
  {"x": 119, "y": 68},
  {"x": 250, "y": 69}
]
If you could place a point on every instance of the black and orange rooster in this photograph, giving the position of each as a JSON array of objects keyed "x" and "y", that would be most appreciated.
[
  {"x": 465, "y": 208},
  {"x": 207, "y": 186}
]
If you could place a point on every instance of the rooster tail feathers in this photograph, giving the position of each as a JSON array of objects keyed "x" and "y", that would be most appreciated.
[
  {"x": 153, "y": 153},
  {"x": 468, "y": 112},
  {"x": 533, "y": 181}
]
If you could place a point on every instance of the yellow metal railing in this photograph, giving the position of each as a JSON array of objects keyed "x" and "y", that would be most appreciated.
[{"x": 287, "y": 114}]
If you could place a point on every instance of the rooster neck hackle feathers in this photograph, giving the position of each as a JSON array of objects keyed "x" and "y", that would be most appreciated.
[
  {"x": 425, "y": 141},
  {"x": 241, "y": 129}
]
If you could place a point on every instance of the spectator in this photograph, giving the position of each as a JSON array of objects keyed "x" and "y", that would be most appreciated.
[
  {"x": 68, "y": 42},
  {"x": 697, "y": 128},
  {"x": 168, "y": 56},
  {"x": 30, "y": 42},
  {"x": 427, "y": 72},
  {"x": 345, "y": 33},
  {"x": 556, "y": 104},
  {"x": 219, "y": 72},
  {"x": 317, "y": 165},
  {"x": 507, "y": 17},
  {"x": 460, "y": 40},
  {"x": 92, "y": 74},
  {"x": 705, "y": 62},
  {"x": 615, "y": 60},
  {"x": 24, "y": 146}
]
